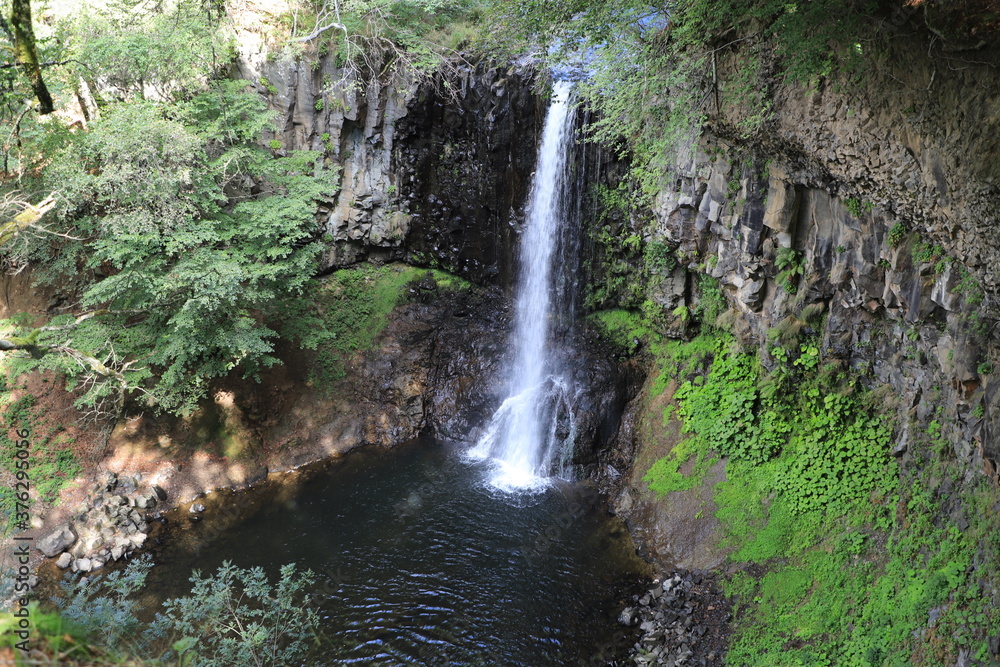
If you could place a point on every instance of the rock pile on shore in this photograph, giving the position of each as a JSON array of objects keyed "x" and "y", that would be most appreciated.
[
  {"x": 112, "y": 523},
  {"x": 684, "y": 622}
]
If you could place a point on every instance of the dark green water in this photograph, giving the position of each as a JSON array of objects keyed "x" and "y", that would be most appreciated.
[{"x": 420, "y": 563}]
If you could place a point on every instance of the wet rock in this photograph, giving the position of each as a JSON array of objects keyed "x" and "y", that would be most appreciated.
[
  {"x": 670, "y": 637},
  {"x": 196, "y": 508},
  {"x": 59, "y": 540}
]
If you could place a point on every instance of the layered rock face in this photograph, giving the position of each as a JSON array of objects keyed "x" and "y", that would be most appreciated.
[
  {"x": 431, "y": 170},
  {"x": 878, "y": 204}
]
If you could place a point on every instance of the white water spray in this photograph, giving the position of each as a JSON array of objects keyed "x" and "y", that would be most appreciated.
[{"x": 530, "y": 433}]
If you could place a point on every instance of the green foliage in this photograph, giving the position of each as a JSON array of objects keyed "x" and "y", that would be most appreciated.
[
  {"x": 857, "y": 208},
  {"x": 233, "y": 617},
  {"x": 928, "y": 253},
  {"x": 656, "y": 110},
  {"x": 659, "y": 257},
  {"x": 136, "y": 48},
  {"x": 52, "y": 463},
  {"x": 789, "y": 263},
  {"x": 104, "y": 609},
  {"x": 711, "y": 302},
  {"x": 186, "y": 276},
  {"x": 664, "y": 475},
  {"x": 52, "y": 635},
  {"x": 839, "y": 455},
  {"x": 626, "y": 329},
  {"x": 373, "y": 35},
  {"x": 619, "y": 251},
  {"x": 344, "y": 313},
  {"x": 896, "y": 235},
  {"x": 720, "y": 410},
  {"x": 853, "y": 559},
  {"x": 237, "y": 617},
  {"x": 969, "y": 286}
]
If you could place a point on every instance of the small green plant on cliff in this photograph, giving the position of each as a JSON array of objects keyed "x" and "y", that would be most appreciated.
[
  {"x": 968, "y": 286},
  {"x": 711, "y": 302},
  {"x": 857, "y": 208},
  {"x": 789, "y": 263},
  {"x": 620, "y": 251},
  {"x": 268, "y": 86},
  {"x": 896, "y": 235}
]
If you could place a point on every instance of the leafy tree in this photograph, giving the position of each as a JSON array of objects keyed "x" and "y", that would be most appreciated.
[
  {"x": 375, "y": 36},
  {"x": 133, "y": 50},
  {"x": 180, "y": 278}
]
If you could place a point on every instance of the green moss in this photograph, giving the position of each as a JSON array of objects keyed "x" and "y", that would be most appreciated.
[
  {"x": 52, "y": 462},
  {"x": 665, "y": 476},
  {"x": 344, "y": 313},
  {"x": 850, "y": 561}
]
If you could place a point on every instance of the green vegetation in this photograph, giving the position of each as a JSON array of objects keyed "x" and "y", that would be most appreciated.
[
  {"x": 53, "y": 636},
  {"x": 896, "y": 235},
  {"x": 969, "y": 287},
  {"x": 853, "y": 560},
  {"x": 233, "y": 617},
  {"x": 52, "y": 463},
  {"x": 656, "y": 111},
  {"x": 174, "y": 261},
  {"x": 857, "y": 208},
  {"x": 373, "y": 36},
  {"x": 620, "y": 251},
  {"x": 344, "y": 313},
  {"x": 789, "y": 263},
  {"x": 178, "y": 233}
]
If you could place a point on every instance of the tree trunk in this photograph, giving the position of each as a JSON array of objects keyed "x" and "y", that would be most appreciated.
[{"x": 26, "y": 53}]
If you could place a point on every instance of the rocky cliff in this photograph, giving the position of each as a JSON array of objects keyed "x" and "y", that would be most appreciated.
[
  {"x": 433, "y": 170},
  {"x": 877, "y": 203}
]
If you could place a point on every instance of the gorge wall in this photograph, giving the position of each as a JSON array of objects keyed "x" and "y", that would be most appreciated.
[
  {"x": 882, "y": 197},
  {"x": 878, "y": 203},
  {"x": 432, "y": 170}
]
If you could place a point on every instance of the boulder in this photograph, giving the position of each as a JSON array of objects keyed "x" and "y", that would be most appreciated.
[
  {"x": 59, "y": 540},
  {"x": 64, "y": 561}
]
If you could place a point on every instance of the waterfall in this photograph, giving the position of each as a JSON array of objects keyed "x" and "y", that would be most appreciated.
[{"x": 530, "y": 436}]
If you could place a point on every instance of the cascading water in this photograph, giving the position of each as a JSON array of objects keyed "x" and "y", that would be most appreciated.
[{"x": 531, "y": 434}]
